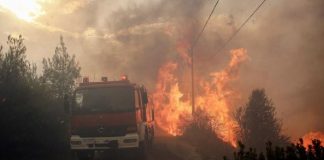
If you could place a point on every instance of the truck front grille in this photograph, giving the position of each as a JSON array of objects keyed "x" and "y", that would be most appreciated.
[{"x": 101, "y": 131}]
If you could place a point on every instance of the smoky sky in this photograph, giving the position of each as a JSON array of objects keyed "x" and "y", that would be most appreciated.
[
  {"x": 284, "y": 42},
  {"x": 286, "y": 51}
]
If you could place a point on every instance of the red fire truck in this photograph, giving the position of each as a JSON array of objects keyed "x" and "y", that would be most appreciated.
[{"x": 110, "y": 115}]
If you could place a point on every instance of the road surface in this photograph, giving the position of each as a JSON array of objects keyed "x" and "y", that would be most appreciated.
[{"x": 165, "y": 147}]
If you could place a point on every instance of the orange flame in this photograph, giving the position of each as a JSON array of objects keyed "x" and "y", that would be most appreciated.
[
  {"x": 218, "y": 95},
  {"x": 214, "y": 97},
  {"x": 307, "y": 138},
  {"x": 167, "y": 100},
  {"x": 182, "y": 49}
]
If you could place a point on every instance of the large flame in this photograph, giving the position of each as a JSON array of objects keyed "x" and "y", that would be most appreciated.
[
  {"x": 218, "y": 94},
  {"x": 307, "y": 138},
  {"x": 167, "y": 100},
  {"x": 214, "y": 97}
]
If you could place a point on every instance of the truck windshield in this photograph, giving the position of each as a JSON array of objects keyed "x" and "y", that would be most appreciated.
[{"x": 108, "y": 99}]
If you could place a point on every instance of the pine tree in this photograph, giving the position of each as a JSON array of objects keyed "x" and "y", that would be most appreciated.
[
  {"x": 61, "y": 71},
  {"x": 258, "y": 122}
]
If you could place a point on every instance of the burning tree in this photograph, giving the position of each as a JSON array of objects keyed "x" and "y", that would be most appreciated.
[
  {"x": 215, "y": 97},
  {"x": 258, "y": 122},
  {"x": 199, "y": 130}
]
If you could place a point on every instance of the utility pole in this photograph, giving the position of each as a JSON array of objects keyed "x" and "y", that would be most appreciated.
[
  {"x": 192, "y": 83},
  {"x": 196, "y": 40},
  {"x": 192, "y": 60}
]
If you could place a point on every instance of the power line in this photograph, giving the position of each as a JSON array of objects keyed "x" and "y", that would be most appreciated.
[
  {"x": 242, "y": 25},
  {"x": 225, "y": 44},
  {"x": 192, "y": 59},
  {"x": 200, "y": 33}
]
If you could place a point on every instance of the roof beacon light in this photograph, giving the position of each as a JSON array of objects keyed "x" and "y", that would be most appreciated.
[
  {"x": 85, "y": 79},
  {"x": 104, "y": 79},
  {"x": 124, "y": 77}
]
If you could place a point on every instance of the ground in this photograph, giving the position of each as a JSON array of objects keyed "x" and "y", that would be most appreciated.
[{"x": 165, "y": 147}]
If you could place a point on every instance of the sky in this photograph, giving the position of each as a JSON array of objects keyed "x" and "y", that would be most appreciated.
[{"x": 284, "y": 42}]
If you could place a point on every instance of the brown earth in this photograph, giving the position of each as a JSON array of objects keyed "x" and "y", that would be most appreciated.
[{"x": 165, "y": 147}]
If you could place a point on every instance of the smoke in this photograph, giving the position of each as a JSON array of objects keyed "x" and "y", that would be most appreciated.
[
  {"x": 140, "y": 37},
  {"x": 286, "y": 50},
  {"x": 284, "y": 43}
]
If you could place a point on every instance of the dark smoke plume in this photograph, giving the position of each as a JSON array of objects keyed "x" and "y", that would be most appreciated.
[{"x": 284, "y": 41}]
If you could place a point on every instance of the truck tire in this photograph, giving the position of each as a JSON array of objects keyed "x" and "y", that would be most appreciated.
[
  {"x": 142, "y": 151},
  {"x": 143, "y": 147},
  {"x": 151, "y": 140}
]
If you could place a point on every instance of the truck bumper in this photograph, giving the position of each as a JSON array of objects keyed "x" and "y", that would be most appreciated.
[{"x": 103, "y": 143}]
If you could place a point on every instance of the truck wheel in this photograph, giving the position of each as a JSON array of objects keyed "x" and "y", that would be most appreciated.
[
  {"x": 151, "y": 140},
  {"x": 84, "y": 155},
  {"x": 142, "y": 151},
  {"x": 148, "y": 138}
]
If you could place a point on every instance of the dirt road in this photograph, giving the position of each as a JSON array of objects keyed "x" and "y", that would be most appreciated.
[{"x": 165, "y": 147}]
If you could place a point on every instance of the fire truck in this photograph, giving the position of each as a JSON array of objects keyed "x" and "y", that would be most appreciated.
[{"x": 110, "y": 115}]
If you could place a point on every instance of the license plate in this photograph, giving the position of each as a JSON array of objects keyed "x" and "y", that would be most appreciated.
[{"x": 89, "y": 140}]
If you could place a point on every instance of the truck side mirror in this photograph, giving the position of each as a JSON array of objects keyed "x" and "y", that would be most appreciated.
[{"x": 66, "y": 104}]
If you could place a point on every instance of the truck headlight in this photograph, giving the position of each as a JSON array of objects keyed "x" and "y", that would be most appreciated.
[{"x": 75, "y": 142}]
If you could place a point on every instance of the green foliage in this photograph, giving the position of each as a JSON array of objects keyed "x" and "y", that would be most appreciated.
[
  {"x": 17, "y": 76},
  {"x": 258, "y": 123},
  {"x": 13, "y": 64},
  {"x": 296, "y": 151},
  {"x": 61, "y": 71},
  {"x": 30, "y": 128}
]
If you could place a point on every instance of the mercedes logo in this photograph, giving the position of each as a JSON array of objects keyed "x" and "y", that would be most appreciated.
[{"x": 101, "y": 129}]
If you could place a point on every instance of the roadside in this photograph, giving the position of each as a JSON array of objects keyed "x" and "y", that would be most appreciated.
[
  {"x": 165, "y": 147},
  {"x": 171, "y": 148}
]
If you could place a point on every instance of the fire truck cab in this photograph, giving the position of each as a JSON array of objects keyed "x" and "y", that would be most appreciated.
[{"x": 110, "y": 115}]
